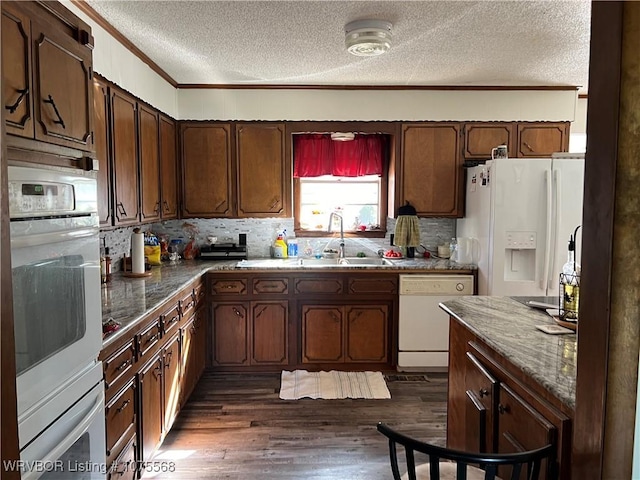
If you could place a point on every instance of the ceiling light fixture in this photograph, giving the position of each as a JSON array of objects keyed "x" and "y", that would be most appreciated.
[
  {"x": 342, "y": 136},
  {"x": 368, "y": 38}
]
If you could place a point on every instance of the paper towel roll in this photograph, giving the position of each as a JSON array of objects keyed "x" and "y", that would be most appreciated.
[{"x": 137, "y": 252}]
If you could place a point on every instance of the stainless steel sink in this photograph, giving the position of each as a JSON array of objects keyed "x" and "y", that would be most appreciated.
[
  {"x": 367, "y": 261},
  {"x": 319, "y": 262}
]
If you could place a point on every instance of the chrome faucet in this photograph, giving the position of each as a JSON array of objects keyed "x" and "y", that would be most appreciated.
[{"x": 335, "y": 214}]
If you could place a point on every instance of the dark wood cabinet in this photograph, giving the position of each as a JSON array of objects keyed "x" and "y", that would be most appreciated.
[
  {"x": 120, "y": 417},
  {"x": 149, "y": 142},
  {"x": 125, "y": 158},
  {"x": 431, "y": 177},
  {"x": 480, "y": 138},
  {"x": 62, "y": 88},
  {"x": 151, "y": 396},
  {"x": 194, "y": 338},
  {"x": 17, "y": 91},
  {"x": 101, "y": 147},
  {"x": 168, "y": 169},
  {"x": 493, "y": 407},
  {"x": 207, "y": 170},
  {"x": 542, "y": 139},
  {"x": 345, "y": 334},
  {"x": 125, "y": 466},
  {"x": 269, "y": 327},
  {"x": 264, "y": 178},
  {"x": 47, "y": 75},
  {"x": 171, "y": 380},
  {"x": 230, "y": 333}
]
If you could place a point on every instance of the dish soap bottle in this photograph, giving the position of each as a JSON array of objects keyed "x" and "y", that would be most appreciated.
[
  {"x": 570, "y": 283},
  {"x": 280, "y": 247}
]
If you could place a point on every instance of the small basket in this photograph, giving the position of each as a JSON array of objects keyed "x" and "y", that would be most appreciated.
[{"x": 569, "y": 297}]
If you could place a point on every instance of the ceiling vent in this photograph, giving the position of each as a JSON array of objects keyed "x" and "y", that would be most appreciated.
[
  {"x": 342, "y": 136},
  {"x": 368, "y": 38}
]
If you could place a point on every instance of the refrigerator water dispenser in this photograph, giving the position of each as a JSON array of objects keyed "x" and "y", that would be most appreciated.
[{"x": 520, "y": 256}]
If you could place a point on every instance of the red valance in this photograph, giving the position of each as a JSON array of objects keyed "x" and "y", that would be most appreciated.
[{"x": 315, "y": 154}]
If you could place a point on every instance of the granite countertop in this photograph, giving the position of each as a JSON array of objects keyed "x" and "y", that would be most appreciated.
[
  {"x": 127, "y": 300},
  {"x": 508, "y": 327}
]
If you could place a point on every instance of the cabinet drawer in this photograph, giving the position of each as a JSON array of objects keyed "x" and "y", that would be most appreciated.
[
  {"x": 231, "y": 286},
  {"x": 374, "y": 284},
  {"x": 317, "y": 285},
  {"x": 120, "y": 419},
  {"x": 271, "y": 285},
  {"x": 125, "y": 467},
  {"x": 118, "y": 364},
  {"x": 187, "y": 304},
  {"x": 481, "y": 403},
  {"x": 149, "y": 338},
  {"x": 199, "y": 293},
  {"x": 170, "y": 319}
]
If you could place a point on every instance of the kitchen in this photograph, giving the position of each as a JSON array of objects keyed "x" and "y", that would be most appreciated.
[{"x": 372, "y": 117}]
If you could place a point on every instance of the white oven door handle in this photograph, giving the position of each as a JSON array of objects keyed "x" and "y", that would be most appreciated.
[
  {"x": 36, "y": 239},
  {"x": 69, "y": 439}
]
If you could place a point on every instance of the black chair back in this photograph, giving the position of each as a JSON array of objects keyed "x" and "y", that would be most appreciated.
[{"x": 529, "y": 461}]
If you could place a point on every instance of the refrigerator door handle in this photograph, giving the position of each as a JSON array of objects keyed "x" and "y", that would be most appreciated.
[
  {"x": 544, "y": 283},
  {"x": 556, "y": 229}
]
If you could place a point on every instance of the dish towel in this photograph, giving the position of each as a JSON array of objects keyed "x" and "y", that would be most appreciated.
[
  {"x": 407, "y": 232},
  {"x": 332, "y": 385}
]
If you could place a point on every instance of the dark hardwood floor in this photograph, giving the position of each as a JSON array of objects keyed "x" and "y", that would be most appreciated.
[{"x": 236, "y": 427}]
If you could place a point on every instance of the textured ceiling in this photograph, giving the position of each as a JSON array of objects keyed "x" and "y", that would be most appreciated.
[{"x": 302, "y": 42}]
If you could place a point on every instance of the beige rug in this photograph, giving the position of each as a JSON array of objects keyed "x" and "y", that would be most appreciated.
[{"x": 332, "y": 385}]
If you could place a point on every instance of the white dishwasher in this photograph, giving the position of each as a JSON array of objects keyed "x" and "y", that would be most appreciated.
[{"x": 423, "y": 330}]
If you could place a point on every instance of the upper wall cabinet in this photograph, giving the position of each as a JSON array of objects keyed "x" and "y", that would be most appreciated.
[
  {"x": 481, "y": 138},
  {"x": 431, "y": 176},
  {"x": 168, "y": 169},
  {"x": 264, "y": 179},
  {"x": 47, "y": 74},
  {"x": 542, "y": 139},
  {"x": 101, "y": 146},
  {"x": 207, "y": 170},
  {"x": 149, "y": 142}
]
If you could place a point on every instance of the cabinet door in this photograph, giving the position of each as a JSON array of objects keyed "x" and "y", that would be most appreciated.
[
  {"x": 16, "y": 71},
  {"x": 431, "y": 175},
  {"x": 125, "y": 466},
  {"x": 148, "y": 138},
  {"x": 101, "y": 146},
  {"x": 186, "y": 360},
  {"x": 269, "y": 322},
  {"x": 542, "y": 139},
  {"x": 230, "y": 334},
  {"x": 481, "y": 138},
  {"x": 263, "y": 176},
  {"x": 207, "y": 173},
  {"x": 171, "y": 388},
  {"x": 521, "y": 427},
  {"x": 200, "y": 342},
  {"x": 322, "y": 334},
  {"x": 125, "y": 158},
  {"x": 62, "y": 87},
  {"x": 168, "y": 169},
  {"x": 481, "y": 403},
  {"x": 367, "y": 333},
  {"x": 151, "y": 395}
]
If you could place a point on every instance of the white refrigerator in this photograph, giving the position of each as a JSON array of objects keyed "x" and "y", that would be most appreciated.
[{"x": 520, "y": 214}]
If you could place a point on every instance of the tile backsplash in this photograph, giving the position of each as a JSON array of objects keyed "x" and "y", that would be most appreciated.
[{"x": 261, "y": 232}]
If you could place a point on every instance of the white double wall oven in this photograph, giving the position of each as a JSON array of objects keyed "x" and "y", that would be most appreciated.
[{"x": 58, "y": 322}]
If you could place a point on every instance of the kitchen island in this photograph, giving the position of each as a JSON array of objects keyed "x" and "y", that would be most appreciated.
[{"x": 511, "y": 386}]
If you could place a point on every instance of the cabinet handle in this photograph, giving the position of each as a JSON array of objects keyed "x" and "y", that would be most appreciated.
[
  {"x": 528, "y": 146},
  {"x": 60, "y": 121},
  {"x": 502, "y": 409},
  {"x": 238, "y": 312},
  {"x": 356, "y": 315},
  {"x": 483, "y": 392},
  {"x": 121, "y": 209},
  {"x": 23, "y": 93},
  {"x": 167, "y": 209},
  {"x": 261, "y": 312},
  {"x": 220, "y": 204},
  {"x": 157, "y": 371},
  {"x": 156, "y": 209},
  {"x": 172, "y": 320},
  {"x": 193, "y": 329},
  {"x": 334, "y": 316},
  {"x": 123, "y": 406},
  {"x": 168, "y": 360},
  {"x": 123, "y": 365},
  {"x": 275, "y": 202},
  {"x": 152, "y": 338}
]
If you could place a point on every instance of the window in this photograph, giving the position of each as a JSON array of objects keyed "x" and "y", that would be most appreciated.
[
  {"x": 349, "y": 178},
  {"x": 356, "y": 199}
]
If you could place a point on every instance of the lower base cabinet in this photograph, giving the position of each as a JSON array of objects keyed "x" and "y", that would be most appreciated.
[
  {"x": 194, "y": 345},
  {"x": 491, "y": 409},
  {"x": 125, "y": 466},
  {"x": 151, "y": 394},
  {"x": 344, "y": 334}
]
